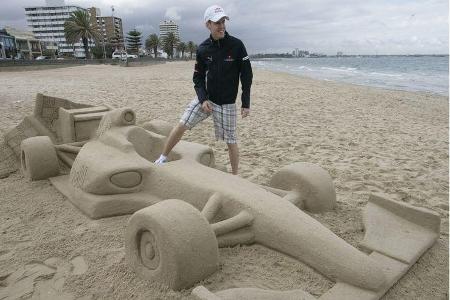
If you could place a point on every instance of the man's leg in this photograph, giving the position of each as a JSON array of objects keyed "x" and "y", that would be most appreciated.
[
  {"x": 225, "y": 129},
  {"x": 174, "y": 137},
  {"x": 191, "y": 116},
  {"x": 233, "y": 152}
]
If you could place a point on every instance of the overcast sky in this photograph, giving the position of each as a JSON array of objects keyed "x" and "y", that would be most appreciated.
[{"x": 322, "y": 26}]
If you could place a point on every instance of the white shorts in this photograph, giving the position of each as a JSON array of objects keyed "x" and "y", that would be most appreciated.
[{"x": 224, "y": 117}]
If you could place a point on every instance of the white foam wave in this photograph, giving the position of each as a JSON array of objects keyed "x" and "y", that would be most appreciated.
[
  {"x": 346, "y": 70},
  {"x": 386, "y": 74}
]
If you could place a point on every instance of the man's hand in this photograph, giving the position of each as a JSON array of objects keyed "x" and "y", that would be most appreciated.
[
  {"x": 245, "y": 112},
  {"x": 207, "y": 106}
]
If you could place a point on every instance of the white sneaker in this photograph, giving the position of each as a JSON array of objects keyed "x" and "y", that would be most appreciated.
[{"x": 161, "y": 160}]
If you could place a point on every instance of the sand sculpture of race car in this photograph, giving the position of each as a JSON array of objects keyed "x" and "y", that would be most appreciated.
[{"x": 186, "y": 209}]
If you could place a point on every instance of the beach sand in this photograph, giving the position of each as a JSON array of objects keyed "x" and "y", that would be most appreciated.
[{"x": 368, "y": 139}]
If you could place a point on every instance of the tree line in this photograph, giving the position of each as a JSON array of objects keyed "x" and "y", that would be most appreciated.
[
  {"x": 167, "y": 44},
  {"x": 78, "y": 27}
]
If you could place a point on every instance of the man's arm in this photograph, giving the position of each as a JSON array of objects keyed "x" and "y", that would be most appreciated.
[
  {"x": 199, "y": 78},
  {"x": 246, "y": 77}
]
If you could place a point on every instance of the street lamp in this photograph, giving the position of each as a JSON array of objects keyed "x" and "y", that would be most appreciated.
[{"x": 104, "y": 51}]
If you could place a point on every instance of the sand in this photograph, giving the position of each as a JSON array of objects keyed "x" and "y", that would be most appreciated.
[{"x": 369, "y": 139}]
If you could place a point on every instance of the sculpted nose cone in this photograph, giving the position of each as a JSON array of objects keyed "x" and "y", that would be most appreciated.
[{"x": 296, "y": 234}]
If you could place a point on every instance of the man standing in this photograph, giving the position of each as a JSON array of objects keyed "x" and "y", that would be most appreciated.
[{"x": 221, "y": 61}]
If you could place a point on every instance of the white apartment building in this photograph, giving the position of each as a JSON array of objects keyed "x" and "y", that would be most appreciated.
[
  {"x": 167, "y": 26},
  {"x": 47, "y": 24}
]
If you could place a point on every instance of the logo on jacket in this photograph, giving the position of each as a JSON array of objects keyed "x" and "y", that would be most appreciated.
[{"x": 229, "y": 58}]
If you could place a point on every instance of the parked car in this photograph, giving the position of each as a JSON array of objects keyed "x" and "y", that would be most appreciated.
[
  {"x": 42, "y": 57},
  {"x": 118, "y": 54},
  {"x": 123, "y": 55}
]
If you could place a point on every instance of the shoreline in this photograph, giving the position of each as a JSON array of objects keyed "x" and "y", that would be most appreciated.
[
  {"x": 404, "y": 73},
  {"x": 370, "y": 140},
  {"x": 27, "y": 68},
  {"x": 425, "y": 93},
  {"x": 380, "y": 88}
]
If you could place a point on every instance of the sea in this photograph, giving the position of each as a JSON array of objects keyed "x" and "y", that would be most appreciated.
[{"x": 429, "y": 73}]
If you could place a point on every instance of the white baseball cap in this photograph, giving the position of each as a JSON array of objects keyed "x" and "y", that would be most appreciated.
[{"x": 215, "y": 13}]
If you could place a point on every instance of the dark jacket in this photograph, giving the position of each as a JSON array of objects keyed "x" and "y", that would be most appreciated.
[{"x": 218, "y": 68}]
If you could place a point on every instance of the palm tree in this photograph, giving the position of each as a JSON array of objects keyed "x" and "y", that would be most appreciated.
[
  {"x": 169, "y": 42},
  {"x": 191, "y": 47},
  {"x": 152, "y": 42},
  {"x": 78, "y": 27},
  {"x": 181, "y": 48},
  {"x": 134, "y": 41}
]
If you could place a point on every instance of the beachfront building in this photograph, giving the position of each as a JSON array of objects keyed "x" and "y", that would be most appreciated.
[
  {"x": 27, "y": 45},
  {"x": 7, "y": 45},
  {"x": 47, "y": 24},
  {"x": 109, "y": 27},
  {"x": 167, "y": 26}
]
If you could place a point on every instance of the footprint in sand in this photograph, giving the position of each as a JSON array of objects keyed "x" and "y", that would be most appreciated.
[
  {"x": 79, "y": 265},
  {"x": 20, "y": 284},
  {"x": 41, "y": 280}
]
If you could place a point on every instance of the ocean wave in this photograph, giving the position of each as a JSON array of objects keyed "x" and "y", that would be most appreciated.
[
  {"x": 429, "y": 74},
  {"x": 352, "y": 70},
  {"x": 386, "y": 74},
  {"x": 304, "y": 68}
]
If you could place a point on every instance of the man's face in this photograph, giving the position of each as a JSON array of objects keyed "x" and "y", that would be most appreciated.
[{"x": 217, "y": 29}]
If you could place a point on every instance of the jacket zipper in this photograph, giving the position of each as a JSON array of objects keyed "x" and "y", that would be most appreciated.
[{"x": 219, "y": 70}]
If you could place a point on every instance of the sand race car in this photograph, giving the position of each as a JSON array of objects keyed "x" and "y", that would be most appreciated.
[{"x": 184, "y": 210}]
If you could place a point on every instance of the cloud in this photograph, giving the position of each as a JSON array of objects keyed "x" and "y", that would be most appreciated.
[
  {"x": 327, "y": 26},
  {"x": 172, "y": 13},
  {"x": 145, "y": 28}
]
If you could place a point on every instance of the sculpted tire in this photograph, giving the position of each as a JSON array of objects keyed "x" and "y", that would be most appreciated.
[
  {"x": 171, "y": 243},
  {"x": 312, "y": 183},
  {"x": 38, "y": 158}
]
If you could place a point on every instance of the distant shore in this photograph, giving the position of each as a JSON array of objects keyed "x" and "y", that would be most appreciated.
[{"x": 287, "y": 55}]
